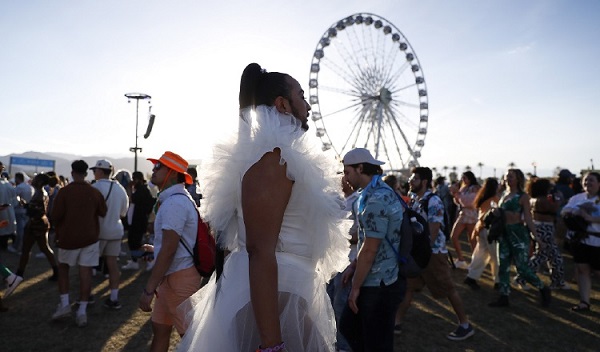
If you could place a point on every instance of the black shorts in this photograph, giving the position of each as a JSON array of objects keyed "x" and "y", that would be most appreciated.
[{"x": 584, "y": 254}]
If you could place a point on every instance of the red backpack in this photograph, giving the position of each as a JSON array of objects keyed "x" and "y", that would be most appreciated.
[{"x": 204, "y": 249}]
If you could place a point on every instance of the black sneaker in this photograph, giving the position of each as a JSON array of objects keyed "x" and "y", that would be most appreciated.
[
  {"x": 472, "y": 283},
  {"x": 114, "y": 305},
  {"x": 461, "y": 333},
  {"x": 501, "y": 302},
  {"x": 398, "y": 329},
  {"x": 546, "y": 296}
]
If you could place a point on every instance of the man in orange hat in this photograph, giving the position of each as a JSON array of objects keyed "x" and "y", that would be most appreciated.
[{"x": 174, "y": 277}]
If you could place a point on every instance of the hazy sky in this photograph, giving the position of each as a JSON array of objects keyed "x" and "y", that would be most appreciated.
[{"x": 508, "y": 81}]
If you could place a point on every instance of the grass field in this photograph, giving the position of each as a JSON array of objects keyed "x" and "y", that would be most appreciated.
[{"x": 524, "y": 326}]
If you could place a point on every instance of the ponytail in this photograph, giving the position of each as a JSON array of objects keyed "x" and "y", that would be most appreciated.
[{"x": 259, "y": 87}]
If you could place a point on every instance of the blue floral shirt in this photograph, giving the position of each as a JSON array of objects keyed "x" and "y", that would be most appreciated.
[
  {"x": 435, "y": 213},
  {"x": 379, "y": 215}
]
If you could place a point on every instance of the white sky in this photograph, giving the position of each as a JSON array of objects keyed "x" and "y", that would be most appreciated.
[{"x": 508, "y": 80}]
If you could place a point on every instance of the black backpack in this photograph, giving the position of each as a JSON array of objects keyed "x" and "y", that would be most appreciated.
[
  {"x": 494, "y": 221},
  {"x": 415, "y": 242}
]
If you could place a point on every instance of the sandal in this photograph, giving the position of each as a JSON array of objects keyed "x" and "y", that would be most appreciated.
[{"x": 581, "y": 307}]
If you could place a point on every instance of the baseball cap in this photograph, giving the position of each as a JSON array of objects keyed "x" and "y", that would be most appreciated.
[
  {"x": 102, "y": 164},
  {"x": 360, "y": 156}
]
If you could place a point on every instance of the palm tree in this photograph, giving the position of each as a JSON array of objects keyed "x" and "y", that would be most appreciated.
[
  {"x": 453, "y": 176},
  {"x": 512, "y": 164},
  {"x": 445, "y": 170},
  {"x": 434, "y": 170},
  {"x": 467, "y": 168},
  {"x": 480, "y": 164}
]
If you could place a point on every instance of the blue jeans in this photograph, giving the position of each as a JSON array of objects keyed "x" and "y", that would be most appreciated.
[
  {"x": 338, "y": 293},
  {"x": 372, "y": 329}
]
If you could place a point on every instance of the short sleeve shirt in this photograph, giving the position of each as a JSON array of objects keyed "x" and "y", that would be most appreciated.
[
  {"x": 379, "y": 215},
  {"x": 177, "y": 212},
  {"x": 435, "y": 213}
]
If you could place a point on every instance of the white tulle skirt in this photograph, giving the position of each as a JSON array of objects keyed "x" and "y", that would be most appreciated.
[{"x": 220, "y": 315}]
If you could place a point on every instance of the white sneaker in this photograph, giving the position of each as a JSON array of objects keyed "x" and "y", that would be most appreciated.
[
  {"x": 61, "y": 312},
  {"x": 150, "y": 265},
  {"x": 12, "y": 281},
  {"x": 131, "y": 265},
  {"x": 461, "y": 264},
  {"x": 81, "y": 320}
]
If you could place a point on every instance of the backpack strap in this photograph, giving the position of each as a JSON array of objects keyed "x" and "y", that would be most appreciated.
[
  {"x": 181, "y": 240},
  {"x": 401, "y": 259},
  {"x": 112, "y": 183}
]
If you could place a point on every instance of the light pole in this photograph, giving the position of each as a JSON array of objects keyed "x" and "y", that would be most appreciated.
[
  {"x": 534, "y": 164},
  {"x": 137, "y": 97}
]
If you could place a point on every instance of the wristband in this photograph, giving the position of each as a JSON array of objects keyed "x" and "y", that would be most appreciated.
[{"x": 280, "y": 347}]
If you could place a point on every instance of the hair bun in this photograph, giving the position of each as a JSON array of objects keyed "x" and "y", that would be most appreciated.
[{"x": 248, "y": 84}]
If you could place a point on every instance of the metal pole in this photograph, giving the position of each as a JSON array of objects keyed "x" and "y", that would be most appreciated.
[
  {"x": 137, "y": 97},
  {"x": 137, "y": 108}
]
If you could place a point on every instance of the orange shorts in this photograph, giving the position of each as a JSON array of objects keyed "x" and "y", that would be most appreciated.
[
  {"x": 436, "y": 276},
  {"x": 172, "y": 291}
]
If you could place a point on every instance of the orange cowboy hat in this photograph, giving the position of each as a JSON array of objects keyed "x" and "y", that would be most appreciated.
[{"x": 174, "y": 162}]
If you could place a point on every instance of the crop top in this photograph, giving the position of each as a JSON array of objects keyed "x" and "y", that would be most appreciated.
[{"x": 513, "y": 204}]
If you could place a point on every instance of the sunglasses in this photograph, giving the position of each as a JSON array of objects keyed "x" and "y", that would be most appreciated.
[{"x": 157, "y": 166}]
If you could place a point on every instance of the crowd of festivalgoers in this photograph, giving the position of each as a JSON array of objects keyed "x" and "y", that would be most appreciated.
[
  {"x": 535, "y": 238},
  {"x": 296, "y": 256},
  {"x": 90, "y": 216}
]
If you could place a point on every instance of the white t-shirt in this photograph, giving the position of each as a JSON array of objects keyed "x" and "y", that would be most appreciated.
[
  {"x": 177, "y": 212},
  {"x": 576, "y": 202},
  {"x": 111, "y": 227}
]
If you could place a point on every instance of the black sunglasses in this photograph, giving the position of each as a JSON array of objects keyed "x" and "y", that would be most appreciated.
[{"x": 157, "y": 166}]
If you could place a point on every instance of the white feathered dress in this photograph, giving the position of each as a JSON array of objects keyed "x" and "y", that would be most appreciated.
[{"x": 312, "y": 245}]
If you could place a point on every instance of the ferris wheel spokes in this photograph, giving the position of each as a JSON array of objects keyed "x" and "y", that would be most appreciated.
[
  {"x": 367, "y": 86},
  {"x": 410, "y": 149}
]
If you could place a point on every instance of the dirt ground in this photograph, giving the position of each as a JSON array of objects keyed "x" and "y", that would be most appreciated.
[{"x": 524, "y": 326}]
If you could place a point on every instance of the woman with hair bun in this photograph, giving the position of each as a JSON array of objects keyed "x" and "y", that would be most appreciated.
[
  {"x": 544, "y": 208},
  {"x": 268, "y": 197},
  {"x": 36, "y": 229}
]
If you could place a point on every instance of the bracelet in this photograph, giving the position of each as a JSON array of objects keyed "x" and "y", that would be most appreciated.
[
  {"x": 148, "y": 293},
  {"x": 280, "y": 347}
]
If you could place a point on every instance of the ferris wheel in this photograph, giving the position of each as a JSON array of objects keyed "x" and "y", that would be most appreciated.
[{"x": 367, "y": 89}]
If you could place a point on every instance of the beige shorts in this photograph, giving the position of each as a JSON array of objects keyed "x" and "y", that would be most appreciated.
[
  {"x": 436, "y": 276},
  {"x": 173, "y": 290},
  {"x": 86, "y": 256},
  {"x": 110, "y": 248}
]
